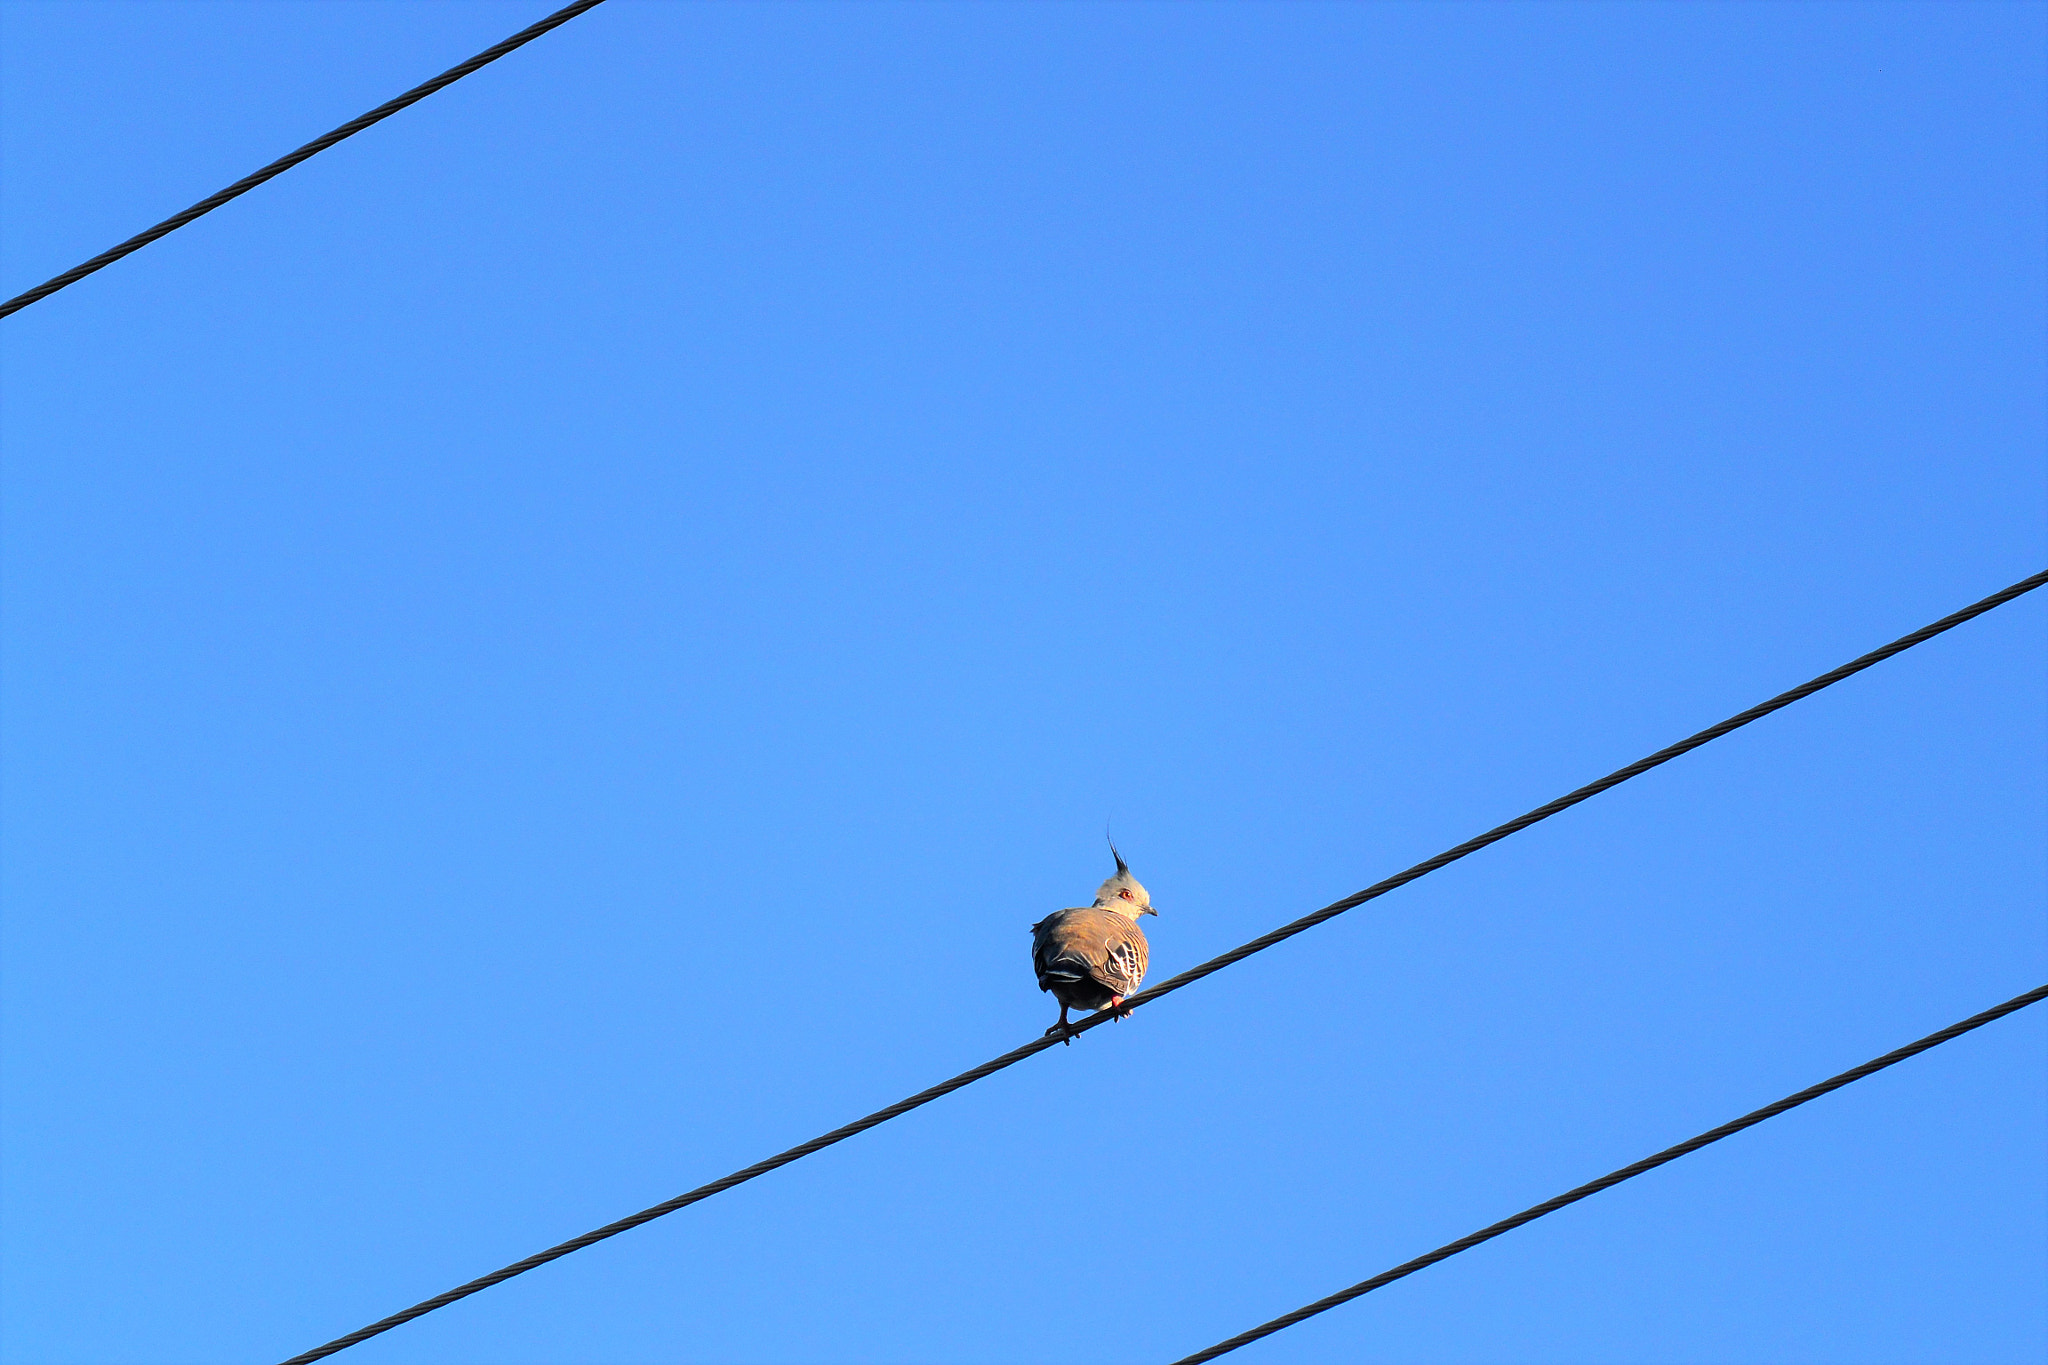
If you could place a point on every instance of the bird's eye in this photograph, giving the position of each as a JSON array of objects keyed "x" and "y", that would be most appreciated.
[{"x": 1125, "y": 894}]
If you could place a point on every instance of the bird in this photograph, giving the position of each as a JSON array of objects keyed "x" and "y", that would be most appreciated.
[{"x": 1092, "y": 957}]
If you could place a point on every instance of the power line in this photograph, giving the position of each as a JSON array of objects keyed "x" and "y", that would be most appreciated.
[
  {"x": 1591, "y": 789},
  {"x": 1186, "y": 978},
  {"x": 285, "y": 163},
  {"x": 1648, "y": 1163}
]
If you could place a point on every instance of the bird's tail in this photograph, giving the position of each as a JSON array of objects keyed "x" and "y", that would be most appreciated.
[{"x": 1063, "y": 970}]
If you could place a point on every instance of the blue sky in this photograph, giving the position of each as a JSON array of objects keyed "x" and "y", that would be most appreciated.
[{"x": 557, "y": 649}]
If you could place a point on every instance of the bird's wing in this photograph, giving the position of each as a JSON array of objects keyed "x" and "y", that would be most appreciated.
[
  {"x": 1050, "y": 939},
  {"x": 1123, "y": 967}
]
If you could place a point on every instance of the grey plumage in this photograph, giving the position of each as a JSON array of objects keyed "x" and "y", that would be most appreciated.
[{"x": 1092, "y": 957}]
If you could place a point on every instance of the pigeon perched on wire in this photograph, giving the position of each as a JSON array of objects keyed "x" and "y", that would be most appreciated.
[{"x": 1093, "y": 957}]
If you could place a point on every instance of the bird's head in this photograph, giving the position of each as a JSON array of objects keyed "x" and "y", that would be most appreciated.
[{"x": 1122, "y": 893}]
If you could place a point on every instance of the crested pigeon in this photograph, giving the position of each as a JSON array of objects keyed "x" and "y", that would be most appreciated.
[{"x": 1092, "y": 957}]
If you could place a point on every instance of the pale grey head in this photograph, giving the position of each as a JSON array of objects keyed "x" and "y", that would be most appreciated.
[{"x": 1122, "y": 893}]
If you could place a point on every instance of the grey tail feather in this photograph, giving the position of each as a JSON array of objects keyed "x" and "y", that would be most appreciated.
[{"x": 1066, "y": 969}]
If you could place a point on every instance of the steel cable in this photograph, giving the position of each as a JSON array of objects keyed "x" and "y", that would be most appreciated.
[
  {"x": 1648, "y": 1163},
  {"x": 1186, "y": 978},
  {"x": 286, "y": 162}
]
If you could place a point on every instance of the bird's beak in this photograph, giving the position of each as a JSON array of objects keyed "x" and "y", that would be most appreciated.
[{"x": 1148, "y": 910}]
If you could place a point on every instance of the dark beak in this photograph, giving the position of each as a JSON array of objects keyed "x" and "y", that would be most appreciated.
[{"x": 1148, "y": 910}]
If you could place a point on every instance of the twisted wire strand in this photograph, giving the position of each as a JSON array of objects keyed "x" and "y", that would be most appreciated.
[
  {"x": 1186, "y": 978},
  {"x": 286, "y": 162},
  {"x": 1612, "y": 1178}
]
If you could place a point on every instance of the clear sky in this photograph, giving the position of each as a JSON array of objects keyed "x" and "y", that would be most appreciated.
[{"x": 557, "y": 649}]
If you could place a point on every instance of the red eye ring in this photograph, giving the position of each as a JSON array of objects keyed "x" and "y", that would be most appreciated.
[{"x": 1125, "y": 894}]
